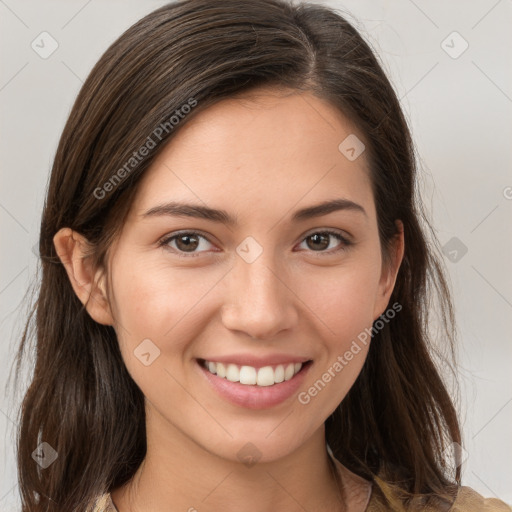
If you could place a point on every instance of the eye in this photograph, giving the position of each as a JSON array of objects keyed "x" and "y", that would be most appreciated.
[
  {"x": 184, "y": 243},
  {"x": 319, "y": 240}
]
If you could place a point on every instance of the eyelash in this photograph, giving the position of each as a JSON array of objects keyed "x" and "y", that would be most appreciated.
[{"x": 166, "y": 240}]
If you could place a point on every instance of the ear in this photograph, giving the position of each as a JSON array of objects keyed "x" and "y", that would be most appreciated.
[
  {"x": 87, "y": 282},
  {"x": 390, "y": 271}
]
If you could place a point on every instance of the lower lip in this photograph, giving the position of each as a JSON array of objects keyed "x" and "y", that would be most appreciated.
[{"x": 252, "y": 396}]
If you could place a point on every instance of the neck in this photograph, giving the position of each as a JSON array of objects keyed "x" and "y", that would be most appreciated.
[{"x": 179, "y": 475}]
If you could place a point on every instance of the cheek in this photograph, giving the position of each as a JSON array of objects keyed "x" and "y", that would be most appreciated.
[
  {"x": 153, "y": 298},
  {"x": 343, "y": 305},
  {"x": 153, "y": 309},
  {"x": 165, "y": 305},
  {"x": 342, "y": 299}
]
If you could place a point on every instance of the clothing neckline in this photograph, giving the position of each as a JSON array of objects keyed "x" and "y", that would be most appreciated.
[
  {"x": 363, "y": 496},
  {"x": 110, "y": 504}
]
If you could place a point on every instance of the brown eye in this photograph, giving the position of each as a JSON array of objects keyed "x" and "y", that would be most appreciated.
[
  {"x": 318, "y": 241},
  {"x": 321, "y": 240},
  {"x": 186, "y": 243}
]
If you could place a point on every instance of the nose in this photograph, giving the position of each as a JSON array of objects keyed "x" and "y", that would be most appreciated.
[{"x": 260, "y": 301}]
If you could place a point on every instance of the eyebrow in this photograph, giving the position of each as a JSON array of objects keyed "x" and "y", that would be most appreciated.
[{"x": 203, "y": 212}]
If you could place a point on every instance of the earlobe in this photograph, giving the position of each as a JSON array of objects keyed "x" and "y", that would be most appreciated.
[{"x": 88, "y": 283}]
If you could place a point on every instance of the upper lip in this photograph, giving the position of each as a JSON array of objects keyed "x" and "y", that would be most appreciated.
[{"x": 256, "y": 361}]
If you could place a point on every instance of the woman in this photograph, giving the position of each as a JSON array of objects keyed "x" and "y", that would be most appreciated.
[{"x": 195, "y": 350}]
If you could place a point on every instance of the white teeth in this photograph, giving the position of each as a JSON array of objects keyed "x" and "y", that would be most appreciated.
[
  {"x": 221, "y": 370},
  {"x": 289, "y": 371},
  {"x": 247, "y": 375},
  {"x": 265, "y": 376},
  {"x": 232, "y": 372},
  {"x": 279, "y": 373}
]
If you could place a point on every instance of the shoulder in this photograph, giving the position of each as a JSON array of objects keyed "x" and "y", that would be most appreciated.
[
  {"x": 386, "y": 497},
  {"x": 469, "y": 500}
]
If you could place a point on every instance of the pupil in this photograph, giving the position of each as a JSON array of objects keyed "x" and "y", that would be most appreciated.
[
  {"x": 188, "y": 245},
  {"x": 316, "y": 238}
]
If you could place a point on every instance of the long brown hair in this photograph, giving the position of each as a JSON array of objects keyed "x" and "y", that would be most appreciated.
[{"x": 398, "y": 418}]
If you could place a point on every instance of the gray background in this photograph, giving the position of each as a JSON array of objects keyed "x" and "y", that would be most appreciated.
[{"x": 459, "y": 110}]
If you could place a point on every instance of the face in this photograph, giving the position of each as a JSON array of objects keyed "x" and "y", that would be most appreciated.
[{"x": 266, "y": 283}]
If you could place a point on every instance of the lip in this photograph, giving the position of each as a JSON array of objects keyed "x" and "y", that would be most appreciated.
[{"x": 252, "y": 396}]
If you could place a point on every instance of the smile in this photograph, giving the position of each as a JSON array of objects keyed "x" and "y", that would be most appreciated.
[
  {"x": 249, "y": 375},
  {"x": 255, "y": 382}
]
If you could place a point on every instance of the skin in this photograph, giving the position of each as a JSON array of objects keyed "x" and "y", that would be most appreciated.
[{"x": 260, "y": 157}]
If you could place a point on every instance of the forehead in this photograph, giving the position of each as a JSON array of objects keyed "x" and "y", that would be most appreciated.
[{"x": 269, "y": 148}]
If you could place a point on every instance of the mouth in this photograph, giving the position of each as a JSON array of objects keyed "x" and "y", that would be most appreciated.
[
  {"x": 263, "y": 376},
  {"x": 254, "y": 387}
]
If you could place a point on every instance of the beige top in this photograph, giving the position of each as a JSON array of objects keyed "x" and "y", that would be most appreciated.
[
  {"x": 467, "y": 501},
  {"x": 380, "y": 497}
]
